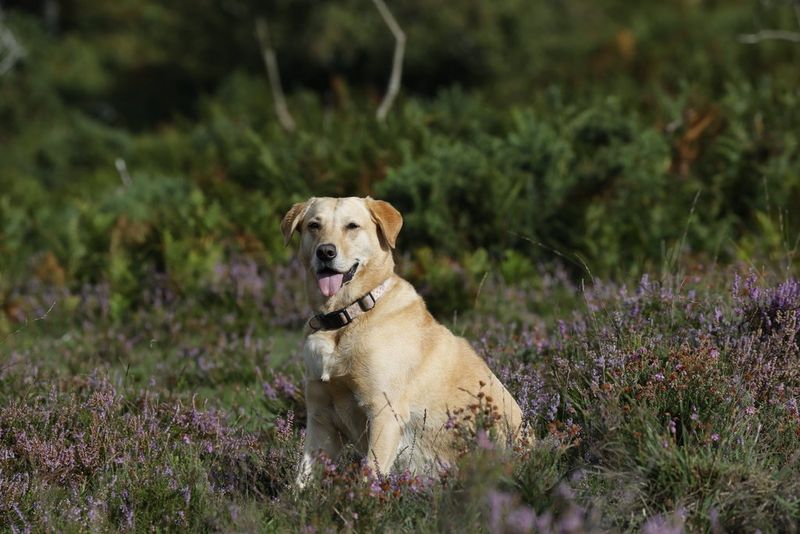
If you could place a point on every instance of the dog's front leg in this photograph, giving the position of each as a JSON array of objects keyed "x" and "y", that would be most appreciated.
[
  {"x": 321, "y": 434},
  {"x": 385, "y": 431}
]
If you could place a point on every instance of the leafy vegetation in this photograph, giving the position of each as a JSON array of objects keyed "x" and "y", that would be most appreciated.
[{"x": 546, "y": 158}]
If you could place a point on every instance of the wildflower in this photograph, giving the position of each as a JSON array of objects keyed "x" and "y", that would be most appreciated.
[
  {"x": 562, "y": 329},
  {"x": 661, "y": 525},
  {"x": 552, "y": 410},
  {"x": 284, "y": 385},
  {"x": 269, "y": 391},
  {"x": 644, "y": 284},
  {"x": 285, "y": 426},
  {"x": 483, "y": 441},
  {"x": 375, "y": 488},
  {"x": 450, "y": 424},
  {"x": 521, "y": 519},
  {"x": 499, "y": 503}
]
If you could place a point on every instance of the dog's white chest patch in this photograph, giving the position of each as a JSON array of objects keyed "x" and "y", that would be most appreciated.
[{"x": 319, "y": 354}]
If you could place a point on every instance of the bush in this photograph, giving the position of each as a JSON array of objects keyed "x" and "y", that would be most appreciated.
[
  {"x": 549, "y": 184},
  {"x": 684, "y": 159}
]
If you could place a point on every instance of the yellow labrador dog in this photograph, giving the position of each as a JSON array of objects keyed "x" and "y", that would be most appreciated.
[{"x": 381, "y": 373}]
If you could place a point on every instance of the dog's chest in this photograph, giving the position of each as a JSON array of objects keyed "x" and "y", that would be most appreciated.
[{"x": 324, "y": 356}]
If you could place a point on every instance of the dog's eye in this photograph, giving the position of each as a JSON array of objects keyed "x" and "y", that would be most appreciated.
[
  {"x": 353, "y": 226},
  {"x": 314, "y": 226}
]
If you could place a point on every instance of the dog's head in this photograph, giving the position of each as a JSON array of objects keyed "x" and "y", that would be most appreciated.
[{"x": 346, "y": 246}]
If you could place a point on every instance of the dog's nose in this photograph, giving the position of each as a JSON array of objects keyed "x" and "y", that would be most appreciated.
[{"x": 326, "y": 252}]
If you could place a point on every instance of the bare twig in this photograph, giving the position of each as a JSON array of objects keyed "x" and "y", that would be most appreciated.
[
  {"x": 26, "y": 322},
  {"x": 271, "y": 63},
  {"x": 10, "y": 49},
  {"x": 397, "y": 62},
  {"x": 769, "y": 35},
  {"x": 122, "y": 169}
]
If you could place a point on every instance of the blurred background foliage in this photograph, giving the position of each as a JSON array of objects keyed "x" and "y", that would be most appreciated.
[{"x": 614, "y": 136}]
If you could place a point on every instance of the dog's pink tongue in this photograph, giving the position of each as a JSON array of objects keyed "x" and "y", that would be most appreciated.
[{"x": 329, "y": 284}]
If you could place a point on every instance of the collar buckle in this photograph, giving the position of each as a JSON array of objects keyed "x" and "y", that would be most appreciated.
[{"x": 367, "y": 302}]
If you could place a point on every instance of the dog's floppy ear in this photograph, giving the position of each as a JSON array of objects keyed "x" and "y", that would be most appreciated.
[
  {"x": 387, "y": 218},
  {"x": 294, "y": 217}
]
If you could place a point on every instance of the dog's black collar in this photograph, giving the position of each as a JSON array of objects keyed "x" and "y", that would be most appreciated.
[{"x": 344, "y": 316}]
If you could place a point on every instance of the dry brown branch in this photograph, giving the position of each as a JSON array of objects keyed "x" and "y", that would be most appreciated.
[
  {"x": 397, "y": 62},
  {"x": 271, "y": 63}
]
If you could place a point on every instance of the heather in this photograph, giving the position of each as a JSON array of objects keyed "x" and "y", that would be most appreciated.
[{"x": 668, "y": 402}]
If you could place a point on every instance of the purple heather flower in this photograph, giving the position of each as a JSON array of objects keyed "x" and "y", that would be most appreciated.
[
  {"x": 284, "y": 385},
  {"x": 562, "y": 329},
  {"x": 375, "y": 488},
  {"x": 735, "y": 286},
  {"x": 499, "y": 504},
  {"x": 285, "y": 426},
  {"x": 269, "y": 391},
  {"x": 660, "y": 525},
  {"x": 521, "y": 520},
  {"x": 483, "y": 441},
  {"x": 450, "y": 423},
  {"x": 127, "y": 514},
  {"x": 552, "y": 409}
]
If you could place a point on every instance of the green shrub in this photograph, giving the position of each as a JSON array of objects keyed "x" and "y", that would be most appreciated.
[
  {"x": 566, "y": 183},
  {"x": 498, "y": 141}
]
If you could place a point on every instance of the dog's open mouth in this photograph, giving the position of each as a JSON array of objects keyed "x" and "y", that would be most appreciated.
[{"x": 331, "y": 281}]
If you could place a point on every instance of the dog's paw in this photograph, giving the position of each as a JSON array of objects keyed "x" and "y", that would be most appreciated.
[
  {"x": 319, "y": 356},
  {"x": 304, "y": 471}
]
